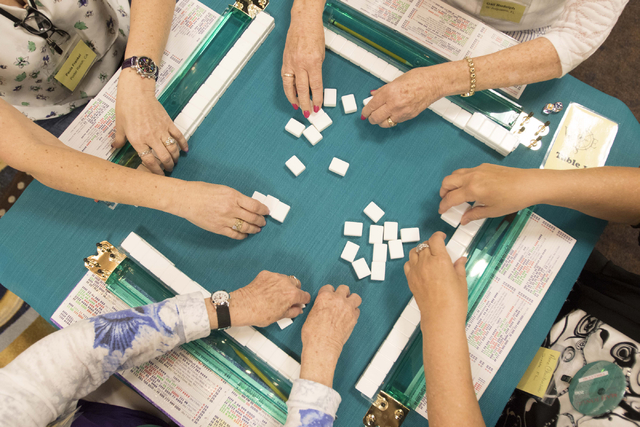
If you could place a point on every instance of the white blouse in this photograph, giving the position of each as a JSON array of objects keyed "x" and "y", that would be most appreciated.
[
  {"x": 27, "y": 64},
  {"x": 576, "y": 28}
]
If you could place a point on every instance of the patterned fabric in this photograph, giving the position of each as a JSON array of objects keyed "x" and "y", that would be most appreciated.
[
  {"x": 46, "y": 381},
  {"x": 581, "y": 339},
  {"x": 27, "y": 65},
  {"x": 311, "y": 405},
  {"x": 576, "y": 28}
]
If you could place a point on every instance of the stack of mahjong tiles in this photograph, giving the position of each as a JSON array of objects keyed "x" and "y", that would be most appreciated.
[
  {"x": 378, "y": 234},
  {"x": 203, "y": 101}
]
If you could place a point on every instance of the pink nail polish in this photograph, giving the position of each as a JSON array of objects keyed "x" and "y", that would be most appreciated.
[
  {"x": 371, "y": 91},
  {"x": 316, "y": 108},
  {"x": 295, "y": 106},
  {"x": 362, "y": 117},
  {"x": 306, "y": 114}
]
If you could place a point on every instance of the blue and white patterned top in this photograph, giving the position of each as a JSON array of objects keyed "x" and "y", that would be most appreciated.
[
  {"x": 27, "y": 64},
  {"x": 46, "y": 381}
]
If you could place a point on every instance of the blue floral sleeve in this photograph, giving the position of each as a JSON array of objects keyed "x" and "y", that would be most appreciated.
[
  {"x": 48, "y": 378},
  {"x": 312, "y": 405}
]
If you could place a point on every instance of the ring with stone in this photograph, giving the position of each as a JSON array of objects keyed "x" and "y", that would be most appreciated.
[
  {"x": 145, "y": 152},
  {"x": 170, "y": 141},
  {"x": 391, "y": 122},
  {"x": 238, "y": 225},
  {"x": 421, "y": 247}
]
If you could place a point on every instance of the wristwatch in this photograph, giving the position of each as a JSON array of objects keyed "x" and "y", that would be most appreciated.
[
  {"x": 220, "y": 301},
  {"x": 143, "y": 65}
]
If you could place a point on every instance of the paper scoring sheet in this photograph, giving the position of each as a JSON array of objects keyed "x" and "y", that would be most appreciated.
[{"x": 511, "y": 299}]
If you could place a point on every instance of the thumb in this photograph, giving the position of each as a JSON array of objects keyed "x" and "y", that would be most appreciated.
[
  {"x": 293, "y": 312},
  {"x": 459, "y": 265},
  {"x": 120, "y": 136},
  {"x": 477, "y": 212}
]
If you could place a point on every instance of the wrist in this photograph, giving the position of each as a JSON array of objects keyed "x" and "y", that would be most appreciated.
[
  {"x": 453, "y": 78},
  {"x": 238, "y": 312},
  {"x": 318, "y": 364},
  {"x": 309, "y": 10},
  {"x": 135, "y": 84}
]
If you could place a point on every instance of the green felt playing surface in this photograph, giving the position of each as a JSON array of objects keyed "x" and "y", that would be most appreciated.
[{"x": 243, "y": 144}]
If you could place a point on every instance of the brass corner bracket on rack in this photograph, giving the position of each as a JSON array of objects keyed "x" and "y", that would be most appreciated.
[
  {"x": 106, "y": 261},
  {"x": 251, "y": 7},
  {"x": 385, "y": 412}
]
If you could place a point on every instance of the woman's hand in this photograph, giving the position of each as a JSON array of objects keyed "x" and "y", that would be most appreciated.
[
  {"x": 302, "y": 59},
  {"x": 497, "y": 190},
  {"x": 438, "y": 285},
  {"x": 326, "y": 330},
  {"x": 404, "y": 98},
  {"x": 268, "y": 298},
  {"x": 216, "y": 208},
  {"x": 142, "y": 120}
]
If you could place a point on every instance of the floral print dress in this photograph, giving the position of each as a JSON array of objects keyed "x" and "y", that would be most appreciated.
[{"x": 27, "y": 63}]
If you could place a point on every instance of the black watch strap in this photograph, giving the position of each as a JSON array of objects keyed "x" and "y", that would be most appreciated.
[{"x": 224, "y": 318}]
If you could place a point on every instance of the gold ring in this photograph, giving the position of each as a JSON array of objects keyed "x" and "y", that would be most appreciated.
[
  {"x": 145, "y": 152},
  {"x": 391, "y": 122},
  {"x": 296, "y": 279},
  {"x": 238, "y": 225},
  {"x": 288, "y": 75},
  {"x": 170, "y": 141}
]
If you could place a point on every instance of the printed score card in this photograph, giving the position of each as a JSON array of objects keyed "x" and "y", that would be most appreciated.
[
  {"x": 94, "y": 130},
  {"x": 511, "y": 299},
  {"x": 176, "y": 383},
  {"x": 439, "y": 27}
]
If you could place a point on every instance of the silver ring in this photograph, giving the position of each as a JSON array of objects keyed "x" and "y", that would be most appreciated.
[
  {"x": 288, "y": 75},
  {"x": 421, "y": 247},
  {"x": 170, "y": 141},
  {"x": 145, "y": 152}
]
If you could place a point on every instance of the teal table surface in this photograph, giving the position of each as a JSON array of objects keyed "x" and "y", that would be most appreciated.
[{"x": 242, "y": 144}]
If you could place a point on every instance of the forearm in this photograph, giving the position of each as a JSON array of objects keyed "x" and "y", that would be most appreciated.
[
  {"x": 307, "y": 9},
  {"x": 529, "y": 62},
  {"x": 28, "y": 148},
  {"x": 610, "y": 193},
  {"x": 150, "y": 26},
  {"x": 450, "y": 396},
  {"x": 47, "y": 379}
]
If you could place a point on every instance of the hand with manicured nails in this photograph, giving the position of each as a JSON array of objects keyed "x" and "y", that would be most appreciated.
[
  {"x": 303, "y": 56},
  {"x": 217, "y": 207},
  {"x": 496, "y": 190},
  {"x": 267, "y": 299},
  {"x": 438, "y": 285},
  {"x": 143, "y": 121}
]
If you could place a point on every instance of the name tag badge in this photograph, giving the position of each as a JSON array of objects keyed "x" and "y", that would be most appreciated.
[
  {"x": 503, "y": 10},
  {"x": 75, "y": 65}
]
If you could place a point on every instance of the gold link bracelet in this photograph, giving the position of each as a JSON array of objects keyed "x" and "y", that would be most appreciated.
[{"x": 472, "y": 75}]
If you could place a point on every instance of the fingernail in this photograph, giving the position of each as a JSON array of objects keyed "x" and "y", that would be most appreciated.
[
  {"x": 295, "y": 106},
  {"x": 371, "y": 91},
  {"x": 362, "y": 117},
  {"x": 316, "y": 108},
  {"x": 306, "y": 114}
]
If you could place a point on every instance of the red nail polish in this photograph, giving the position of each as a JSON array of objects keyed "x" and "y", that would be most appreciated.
[
  {"x": 362, "y": 117},
  {"x": 316, "y": 108},
  {"x": 306, "y": 114},
  {"x": 295, "y": 106}
]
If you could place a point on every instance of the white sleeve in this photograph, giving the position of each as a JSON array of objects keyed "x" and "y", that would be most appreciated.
[
  {"x": 311, "y": 404},
  {"x": 48, "y": 378},
  {"x": 581, "y": 28}
]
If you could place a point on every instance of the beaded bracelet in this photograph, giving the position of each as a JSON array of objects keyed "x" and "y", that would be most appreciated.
[{"x": 472, "y": 72}]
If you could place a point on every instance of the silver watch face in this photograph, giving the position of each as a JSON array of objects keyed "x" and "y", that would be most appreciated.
[{"x": 220, "y": 298}]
